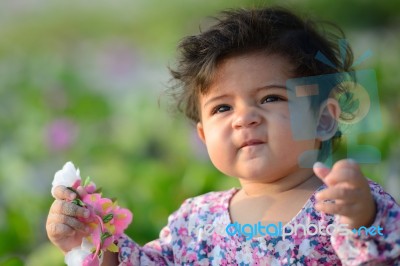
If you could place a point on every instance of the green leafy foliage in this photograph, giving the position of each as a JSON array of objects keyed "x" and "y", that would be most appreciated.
[
  {"x": 78, "y": 202},
  {"x": 108, "y": 217},
  {"x": 104, "y": 236},
  {"x": 87, "y": 181},
  {"x": 83, "y": 82}
]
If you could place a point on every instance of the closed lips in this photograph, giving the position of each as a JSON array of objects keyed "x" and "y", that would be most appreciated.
[{"x": 251, "y": 143}]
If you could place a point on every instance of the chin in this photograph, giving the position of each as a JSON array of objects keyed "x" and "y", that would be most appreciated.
[{"x": 256, "y": 175}]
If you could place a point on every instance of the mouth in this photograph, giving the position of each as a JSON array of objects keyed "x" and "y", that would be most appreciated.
[{"x": 253, "y": 142}]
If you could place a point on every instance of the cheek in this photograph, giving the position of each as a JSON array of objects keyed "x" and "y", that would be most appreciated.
[
  {"x": 216, "y": 141},
  {"x": 279, "y": 126},
  {"x": 219, "y": 147},
  {"x": 282, "y": 126}
]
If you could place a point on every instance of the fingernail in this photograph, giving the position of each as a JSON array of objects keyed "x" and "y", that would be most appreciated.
[
  {"x": 319, "y": 165},
  {"x": 352, "y": 161},
  {"x": 71, "y": 195}
]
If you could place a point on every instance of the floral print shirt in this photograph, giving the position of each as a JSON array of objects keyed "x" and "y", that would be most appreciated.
[{"x": 193, "y": 236}]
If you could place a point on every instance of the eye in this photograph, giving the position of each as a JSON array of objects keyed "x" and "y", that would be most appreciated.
[
  {"x": 221, "y": 108},
  {"x": 272, "y": 98}
]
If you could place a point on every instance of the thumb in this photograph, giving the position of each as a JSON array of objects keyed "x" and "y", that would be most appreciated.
[{"x": 321, "y": 170}]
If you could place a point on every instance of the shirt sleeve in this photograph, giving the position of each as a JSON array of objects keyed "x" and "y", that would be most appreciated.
[
  {"x": 157, "y": 252},
  {"x": 379, "y": 246}
]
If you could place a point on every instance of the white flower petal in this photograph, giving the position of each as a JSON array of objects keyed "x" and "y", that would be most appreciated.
[
  {"x": 76, "y": 256},
  {"x": 86, "y": 245},
  {"x": 66, "y": 176}
]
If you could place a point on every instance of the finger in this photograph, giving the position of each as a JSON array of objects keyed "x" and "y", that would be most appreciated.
[
  {"x": 69, "y": 208},
  {"x": 321, "y": 170},
  {"x": 335, "y": 208},
  {"x": 339, "y": 193},
  {"x": 349, "y": 176},
  {"x": 344, "y": 171},
  {"x": 346, "y": 163},
  {"x": 63, "y": 193},
  {"x": 59, "y": 230},
  {"x": 72, "y": 222},
  {"x": 81, "y": 191}
]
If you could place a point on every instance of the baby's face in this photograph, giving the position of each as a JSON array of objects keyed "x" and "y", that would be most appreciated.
[{"x": 245, "y": 119}]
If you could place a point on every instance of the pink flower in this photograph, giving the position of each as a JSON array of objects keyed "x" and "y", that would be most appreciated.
[
  {"x": 61, "y": 134},
  {"x": 114, "y": 218},
  {"x": 122, "y": 219},
  {"x": 107, "y": 220},
  {"x": 101, "y": 205},
  {"x": 90, "y": 188}
]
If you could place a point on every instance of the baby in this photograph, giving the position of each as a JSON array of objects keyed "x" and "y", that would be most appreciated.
[{"x": 233, "y": 82}]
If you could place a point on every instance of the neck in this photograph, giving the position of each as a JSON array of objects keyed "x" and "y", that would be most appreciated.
[{"x": 302, "y": 179}]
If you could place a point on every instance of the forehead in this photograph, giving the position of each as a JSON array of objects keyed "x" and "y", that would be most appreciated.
[{"x": 250, "y": 70}]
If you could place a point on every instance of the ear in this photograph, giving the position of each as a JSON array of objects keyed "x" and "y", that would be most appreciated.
[
  {"x": 328, "y": 119},
  {"x": 200, "y": 132}
]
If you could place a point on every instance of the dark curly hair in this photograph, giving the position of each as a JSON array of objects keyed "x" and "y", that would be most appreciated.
[{"x": 272, "y": 30}]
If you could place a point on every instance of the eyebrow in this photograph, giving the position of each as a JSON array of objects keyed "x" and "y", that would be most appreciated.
[{"x": 270, "y": 86}]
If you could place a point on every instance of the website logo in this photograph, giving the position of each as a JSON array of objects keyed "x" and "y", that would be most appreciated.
[
  {"x": 308, "y": 229},
  {"x": 261, "y": 229}
]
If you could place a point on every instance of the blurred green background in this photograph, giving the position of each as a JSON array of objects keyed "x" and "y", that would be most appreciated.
[{"x": 83, "y": 81}]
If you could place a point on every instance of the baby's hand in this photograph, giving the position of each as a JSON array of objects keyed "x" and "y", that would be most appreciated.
[
  {"x": 349, "y": 190},
  {"x": 63, "y": 227}
]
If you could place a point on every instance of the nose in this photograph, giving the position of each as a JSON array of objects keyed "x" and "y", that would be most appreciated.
[{"x": 246, "y": 116}]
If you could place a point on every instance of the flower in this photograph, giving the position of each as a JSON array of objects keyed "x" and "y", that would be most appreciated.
[
  {"x": 91, "y": 260},
  {"x": 68, "y": 176},
  {"x": 107, "y": 221},
  {"x": 122, "y": 218},
  {"x": 82, "y": 256},
  {"x": 61, "y": 134},
  {"x": 76, "y": 256},
  {"x": 113, "y": 218}
]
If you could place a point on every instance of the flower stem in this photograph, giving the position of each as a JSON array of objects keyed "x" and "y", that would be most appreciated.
[{"x": 101, "y": 232}]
